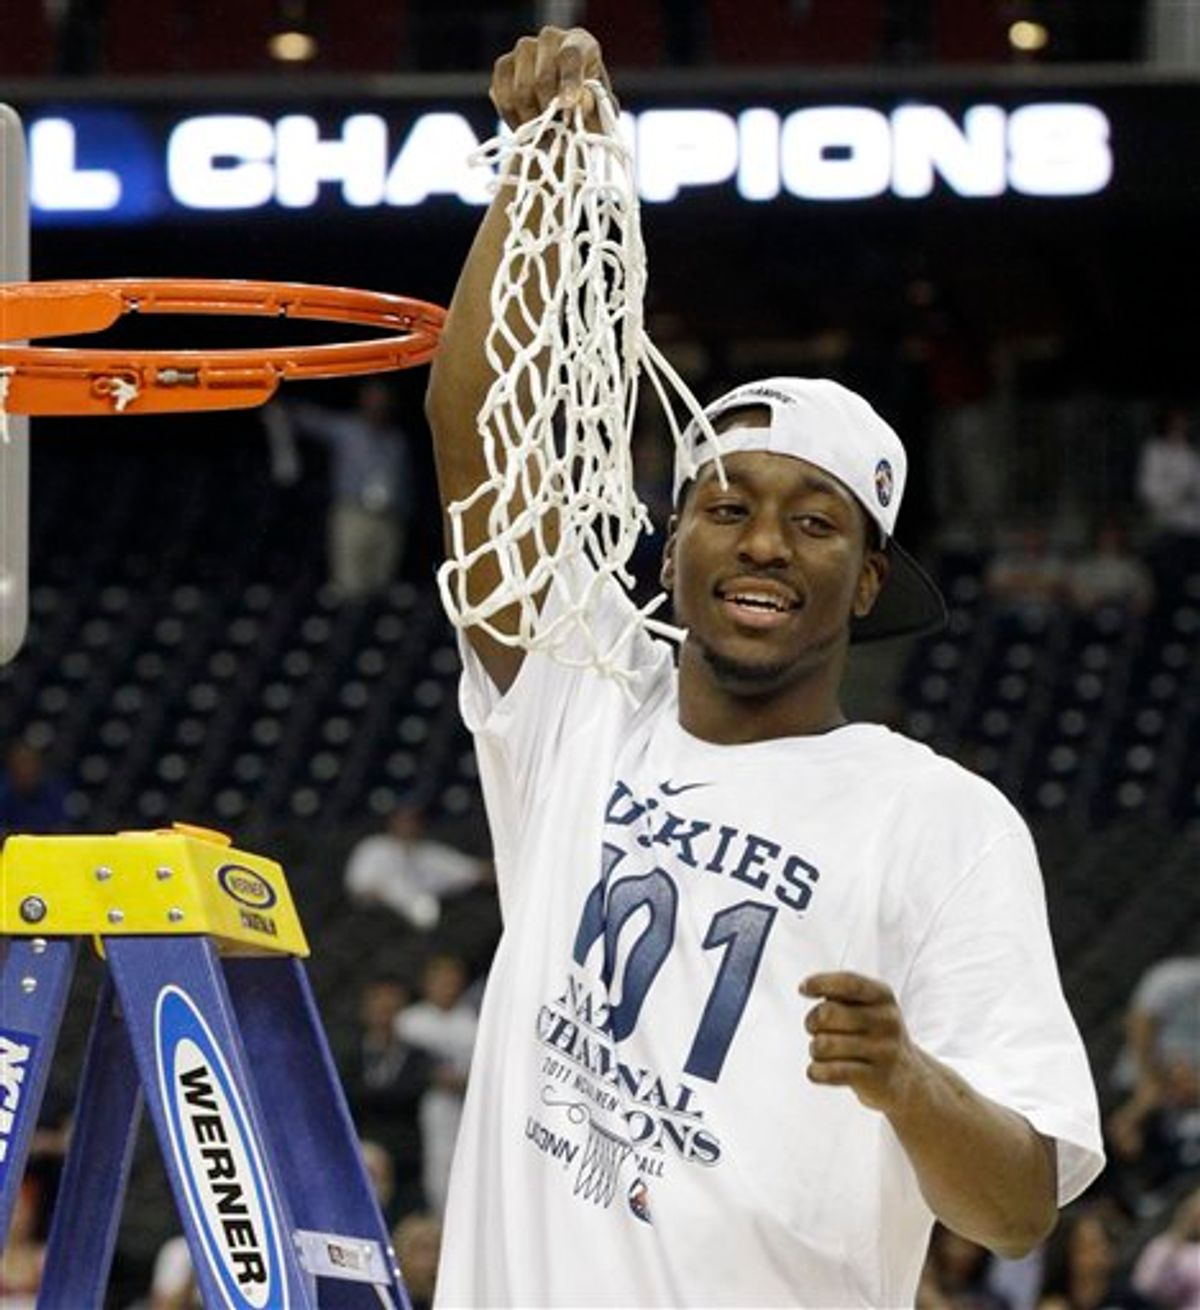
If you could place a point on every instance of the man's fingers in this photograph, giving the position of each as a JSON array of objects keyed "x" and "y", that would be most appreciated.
[
  {"x": 552, "y": 67},
  {"x": 524, "y": 88},
  {"x": 572, "y": 60},
  {"x": 501, "y": 89},
  {"x": 834, "y": 1047},
  {"x": 555, "y": 63},
  {"x": 836, "y": 1017},
  {"x": 848, "y": 988},
  {"x": 836, "y": 1073}
]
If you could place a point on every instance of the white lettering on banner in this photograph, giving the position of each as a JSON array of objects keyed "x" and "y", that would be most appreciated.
[
  {"x": 1059, "y": 150},
  {"x": 435, "y": 160},
  {"x": 358, "y": 159},
  {"x": 929, "y": 143},
  {"x": 836, "y": 153},
  {"x": 222, "y": 161},
  {"x": 820, "y": 153},
  {"x": 55, "y": 183},
  {"x": 758, "y": 154},
  {"x": 684, "y": 147}
]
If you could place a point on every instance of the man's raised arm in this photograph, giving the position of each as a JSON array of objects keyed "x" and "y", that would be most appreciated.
[{"x": 524, "y": 81}]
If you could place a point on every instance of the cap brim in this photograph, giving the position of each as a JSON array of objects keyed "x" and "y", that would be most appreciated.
[{"x": 909, "y": 604}]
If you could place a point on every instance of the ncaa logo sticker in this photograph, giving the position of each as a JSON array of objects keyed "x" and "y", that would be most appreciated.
[
  {"x": 17, "y": 1051},
  {"x": 885, "y": 482},
  {"x": 246, "y": 886},
  {"x": 217, "y": 1157}
]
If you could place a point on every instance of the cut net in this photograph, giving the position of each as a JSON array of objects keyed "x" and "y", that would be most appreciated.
[{"x": 567, "y": 345}]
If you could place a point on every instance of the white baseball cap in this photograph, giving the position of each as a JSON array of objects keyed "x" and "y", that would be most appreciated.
[{"x": 835, "y": 429}]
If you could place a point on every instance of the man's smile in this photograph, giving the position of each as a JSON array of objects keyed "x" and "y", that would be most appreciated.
[{"x": 758, "y": 602}]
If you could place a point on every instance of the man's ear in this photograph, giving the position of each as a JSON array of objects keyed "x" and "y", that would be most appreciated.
[
  {"x": 871, "y": 578},
  {"x": 666, "y": 574}
]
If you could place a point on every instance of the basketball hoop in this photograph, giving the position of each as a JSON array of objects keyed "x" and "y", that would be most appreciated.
[{"x": 69, "y": 381}]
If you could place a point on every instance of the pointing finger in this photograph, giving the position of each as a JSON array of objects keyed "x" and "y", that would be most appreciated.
[{"x": 848, "y": 988}]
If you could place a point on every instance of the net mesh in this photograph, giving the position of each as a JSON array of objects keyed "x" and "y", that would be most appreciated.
[
  {"x": 567, "y": 345},
  {"x": 600, "y": 1167}
]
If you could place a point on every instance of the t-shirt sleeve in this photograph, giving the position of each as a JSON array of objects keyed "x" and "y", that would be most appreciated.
[
  {"x": 984, "y": 997},
  {"x": 521, "y": 735}
]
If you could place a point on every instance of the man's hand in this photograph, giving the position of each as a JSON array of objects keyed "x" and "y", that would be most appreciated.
[
  {"x": 983, "y": 1169},
  {"x": 858, "y": 1039},
  {"x": 538, "y": 68}
]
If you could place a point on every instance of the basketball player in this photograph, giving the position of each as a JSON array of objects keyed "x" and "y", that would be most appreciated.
[{"x": 775, "y": 990}]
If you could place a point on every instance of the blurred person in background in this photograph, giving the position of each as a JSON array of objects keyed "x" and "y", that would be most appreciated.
[
  {"x": 417, "y": 1240},
  {"x": 31, "y": 799},
  {"x": 1162, "y": 1020},
  {"x": 1168, "y": 484},
  {"x": 1168, "y": 1268},
  {"x": 409, "y": 872},
  {"x": 1155, "y": 1131},
  {"x": 24, "y": 1255},
  {"x": 371, "y": 471},
  {"x": 956, "y": 1275},
  {"x": 1082, "y": 1269},
  {"x": 385, "y": 1076},
  {"x": 442, "y": 1023},
  {"x": 1109, "y": 575},
  {"x": 1026, "y": 578},
  {"x": 173, "y": 1284},
  {"x": 381, "y": 1174}
]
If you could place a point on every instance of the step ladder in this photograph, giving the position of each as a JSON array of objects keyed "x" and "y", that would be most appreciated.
[{"x": 205, "y": 1015}]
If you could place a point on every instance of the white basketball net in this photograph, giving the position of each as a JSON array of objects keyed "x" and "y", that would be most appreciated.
[{"x": 557, "y": 421}]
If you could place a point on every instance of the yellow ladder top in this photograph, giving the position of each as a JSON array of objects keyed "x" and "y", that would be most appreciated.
[{"x": 169, "y": 882}]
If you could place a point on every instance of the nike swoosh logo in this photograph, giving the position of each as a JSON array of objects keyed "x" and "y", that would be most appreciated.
[{"x": 668, "y": 790}]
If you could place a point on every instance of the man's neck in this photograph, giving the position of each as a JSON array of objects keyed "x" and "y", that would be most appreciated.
[{"x": 807, "y": 706}]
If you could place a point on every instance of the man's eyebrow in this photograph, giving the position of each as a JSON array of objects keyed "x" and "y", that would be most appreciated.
[{"x": 809, "y": 482}]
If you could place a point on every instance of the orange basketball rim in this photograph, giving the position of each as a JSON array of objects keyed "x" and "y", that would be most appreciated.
[{"x": 69, "y": 381}]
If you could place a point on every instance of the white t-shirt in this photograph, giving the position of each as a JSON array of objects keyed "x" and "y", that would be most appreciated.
[
  {"x": 1169, "y": 482},
  {"x": 639, "y": 1130},
  {"x": 410, "y": 877}
]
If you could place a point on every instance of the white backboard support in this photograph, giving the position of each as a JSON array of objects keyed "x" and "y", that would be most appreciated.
[{"x": 14, "y": 444}]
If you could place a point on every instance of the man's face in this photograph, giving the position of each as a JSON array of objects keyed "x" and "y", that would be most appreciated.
[
  {"x": 381, "y": 1002},
  {"x": 24, "y": 766},
  {"x": 767, "y": 572}
]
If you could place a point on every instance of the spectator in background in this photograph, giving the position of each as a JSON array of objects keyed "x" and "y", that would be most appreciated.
[
  {"x": 31, "y": 800},
  {"x": 1169, "y": 488},
  {"x": 1109, "y": 575},
  {"x": 408, "y": 871},
  {"x": 173, "y": 1284},
  {"x": 1155, "y": 1132},
  {"x": 372, "y": 476},
  {"x": 381, "y": 1174},
  {"x": 1082, "y": 1268},
  {"x": 385, "y": 1076},
  {"x": 443, "y": 1023},
  {"x": 23, "y": 1256},
  {"x": 956, "y": 1274},
  {"x": 1027, "y": 576},
  {"x": 1162, "y": 1022},
  {"x": 418, "y": 1244},
  {"x": 1168, "y": 1269}
]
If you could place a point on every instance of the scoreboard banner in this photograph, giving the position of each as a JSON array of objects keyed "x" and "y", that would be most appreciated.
[{"x": 159, "y": 157}]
